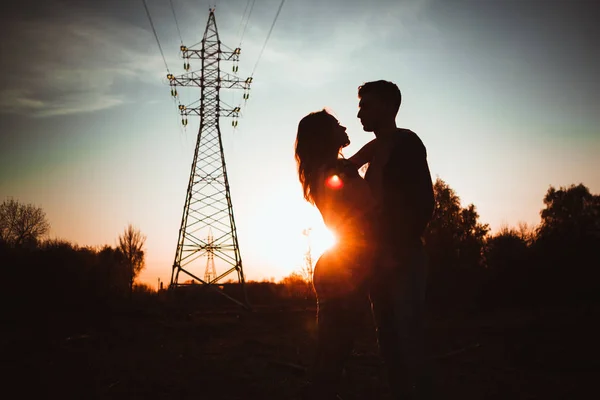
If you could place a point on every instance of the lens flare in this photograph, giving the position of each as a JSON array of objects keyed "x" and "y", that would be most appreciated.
[{"x": 334, "y": 182}]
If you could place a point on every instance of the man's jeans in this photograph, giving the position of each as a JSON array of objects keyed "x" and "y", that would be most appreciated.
[{"x": 398, "y": 304}]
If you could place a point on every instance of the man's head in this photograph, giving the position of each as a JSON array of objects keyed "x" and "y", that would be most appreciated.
[{"x": 379, "y": 104}]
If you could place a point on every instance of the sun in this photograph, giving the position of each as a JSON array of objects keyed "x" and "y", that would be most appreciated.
[{"x": 321, "y": 240}]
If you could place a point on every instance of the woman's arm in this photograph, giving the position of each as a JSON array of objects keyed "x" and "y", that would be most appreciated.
[
  {"x": 364, "y": 155},
  {"x": 342, "y": 194}
]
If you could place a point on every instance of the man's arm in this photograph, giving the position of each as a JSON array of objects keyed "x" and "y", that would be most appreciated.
[{"x": 364, "y": 155}]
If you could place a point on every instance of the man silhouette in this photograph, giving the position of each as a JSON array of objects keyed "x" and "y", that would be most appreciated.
[{"x": 399, "y": 177}]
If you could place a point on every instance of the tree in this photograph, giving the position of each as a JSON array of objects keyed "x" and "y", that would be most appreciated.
[
  {"x": 22, "y": 224},
  {"x": 507, "y": 249},
  {"x": 454, "y": 241},
  {"x": 295, "y": 285},
  {"x": 454, "y": 237},
  {"x": 571, "y": 214},
  {"x": 526, "y": 233},
  {"x": 471, "y": 237},
  {"x": 567, "y": 245},
  {"x": 131, "y": 244},
  {"x": 115, "y": 277},
  {"x": 511, "y": 276},
  {"x": 307, "y": 269}
]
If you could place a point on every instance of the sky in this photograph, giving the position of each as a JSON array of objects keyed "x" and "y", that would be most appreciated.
[{"x": 504, "y": 94}]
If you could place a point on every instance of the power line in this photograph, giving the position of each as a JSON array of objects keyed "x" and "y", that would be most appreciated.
[
  {"x": 158, "y": 43},
  {"x": 242, "y": 19},
  {"x": 247, "y": 19},
  {"x": 155, "y": 35},
  {"x": 175, "y": 18},
  {"x": 268, "y": 36}
]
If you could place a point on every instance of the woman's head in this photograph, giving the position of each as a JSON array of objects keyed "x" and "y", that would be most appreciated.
[{"x": 319, "y": 141}]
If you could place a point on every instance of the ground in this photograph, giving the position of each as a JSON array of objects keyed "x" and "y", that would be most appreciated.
[{"x": 226, "y": 353}]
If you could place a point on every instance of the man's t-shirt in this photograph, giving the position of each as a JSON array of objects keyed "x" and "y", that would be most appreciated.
[{"x": 400, "y": 180}]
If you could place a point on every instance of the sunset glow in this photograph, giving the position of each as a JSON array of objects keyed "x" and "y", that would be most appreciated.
[
  {"x": 322, "y": 239},
  {"x": 106, "y": 147},
  {"x": 300, "y": 199}
]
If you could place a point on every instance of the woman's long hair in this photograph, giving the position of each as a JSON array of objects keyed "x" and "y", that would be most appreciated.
[{"x": 315, "y": 147}]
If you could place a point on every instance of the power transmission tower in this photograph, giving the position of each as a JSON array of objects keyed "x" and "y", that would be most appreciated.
[
  {"x": 208, "y": 208},
  {"x": 210, "y": 273}
]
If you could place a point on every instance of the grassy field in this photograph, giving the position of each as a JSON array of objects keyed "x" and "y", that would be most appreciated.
[{"x": 162, "y": 351}]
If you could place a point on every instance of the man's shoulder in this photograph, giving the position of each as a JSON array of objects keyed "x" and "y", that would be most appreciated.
[
  {"x": 406, "y": 134},
  {"x": 406, "y": 131},
  {"x": 407, "y": 137}
]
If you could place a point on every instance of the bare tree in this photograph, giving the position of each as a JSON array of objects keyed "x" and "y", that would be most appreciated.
[
  {"x": 526, "y": 232},
  {"x": 131, "y": 246},
  {"x": 307, "y": 268},
  {"x": 22, "y": 223}
]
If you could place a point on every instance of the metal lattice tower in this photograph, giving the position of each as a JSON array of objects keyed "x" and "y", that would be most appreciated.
[
  {"x": 210, "y": 274},
  {"x": 208, "y": 226}
]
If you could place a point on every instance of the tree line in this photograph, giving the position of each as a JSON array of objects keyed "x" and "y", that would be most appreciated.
[
  {"x": 471, "y": 268},
  {"x": 556, "y": 262},
  {"x": 40, "y": 273}
]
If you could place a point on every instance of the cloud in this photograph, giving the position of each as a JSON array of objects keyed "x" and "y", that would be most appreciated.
[
  {"x": 77, "y": 62},
  {"x": 24, "y": 102},
  {"x": 313, "y": 45},
  {"x": 74, "y": 65}
]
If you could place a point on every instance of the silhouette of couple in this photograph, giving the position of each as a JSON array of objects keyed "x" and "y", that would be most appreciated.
[{"x": 379, "y": 222}]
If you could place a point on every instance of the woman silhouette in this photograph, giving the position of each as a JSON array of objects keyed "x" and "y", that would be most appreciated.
[{"x": 341, "y": 275}]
